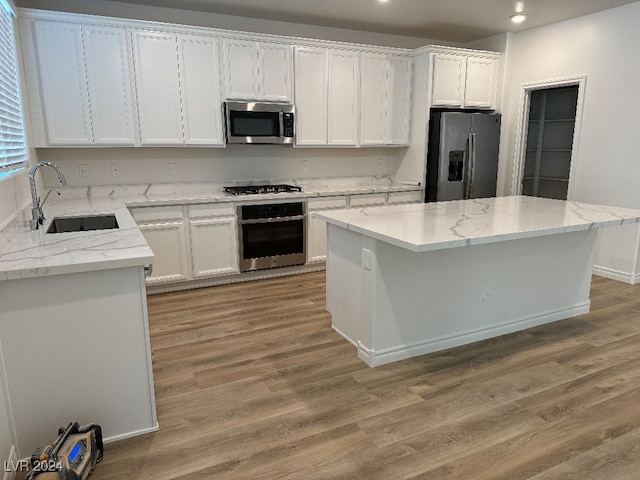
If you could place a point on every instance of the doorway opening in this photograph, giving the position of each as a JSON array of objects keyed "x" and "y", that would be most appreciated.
[{"x": 550, "y": 123}]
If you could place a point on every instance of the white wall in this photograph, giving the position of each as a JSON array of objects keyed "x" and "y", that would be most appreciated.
[
  {"x": 230, "y": 22},
  {"x": 602, "y": 46},
  {"x": 234, "y": 163}
]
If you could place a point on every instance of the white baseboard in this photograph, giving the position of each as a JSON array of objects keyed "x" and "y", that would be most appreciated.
[
  {"x": 401, "y": 352},
  {"x": 613, "y": 274},
  {"x": 135, "y": 433},
  {"x": 12, "y": 460}
]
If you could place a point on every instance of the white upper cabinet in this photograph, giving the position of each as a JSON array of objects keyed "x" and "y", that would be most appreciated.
[
  {"x": 464, "y": 80},
  {"x": 200, "y": 86},
  {"x": 109, "y": 82},
  {"x": 327, "y": 96},
  {"x": 373, "y": 99},
  {"x": 386, "y": 82},
  {"x": 311, "y": 96},
  {"x": 480, "y": 86},
  {"x": 257, "y": 70},
  {"x": 177, "y": 84},
  {"x": 157, "y": 87},
  {"x": 85, "y": 84},
  {"x": 342, "y": 98},
  {"x": 63, "y": 83}
]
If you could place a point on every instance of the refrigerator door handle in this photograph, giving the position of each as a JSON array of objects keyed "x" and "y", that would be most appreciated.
[{"x": 471, "y": 170}]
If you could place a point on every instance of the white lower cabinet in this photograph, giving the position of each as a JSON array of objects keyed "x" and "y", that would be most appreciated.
[
  {"x": 214, "y": 240},
  {"x": 203, "y": 244},
  {"x": 405, "y": 197},
  {"x": 168, "y": 245},
  {"x": 163, "y": 229}
]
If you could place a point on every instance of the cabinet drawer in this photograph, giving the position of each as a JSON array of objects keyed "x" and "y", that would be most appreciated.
[
  {"x": 405, "y": 197},
  {"x": 226, "y": 209},
  {"x": 152, "y": 214},
  {"x": 324, "y": 203},
  {"x": 367, "y": 199}
]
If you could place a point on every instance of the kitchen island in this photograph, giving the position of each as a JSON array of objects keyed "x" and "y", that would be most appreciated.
[{"x": 407, "y": 280}]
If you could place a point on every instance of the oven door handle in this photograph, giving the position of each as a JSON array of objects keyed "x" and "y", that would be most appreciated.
[{"x": 272, "y": 220}]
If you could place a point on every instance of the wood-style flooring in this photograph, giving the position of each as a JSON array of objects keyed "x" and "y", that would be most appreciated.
[{"x": 252, "y": 383}]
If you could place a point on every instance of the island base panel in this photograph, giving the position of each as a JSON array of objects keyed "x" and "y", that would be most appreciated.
[
  {"x": 76, "y": 348},
  {"x": 409, "y": 304}
]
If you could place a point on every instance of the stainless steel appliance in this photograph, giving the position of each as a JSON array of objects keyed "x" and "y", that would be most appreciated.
[
  {"x": 272, "y": 235},
  {"x": 462, "y": 160},
  {"x": 255, "y": 122}
]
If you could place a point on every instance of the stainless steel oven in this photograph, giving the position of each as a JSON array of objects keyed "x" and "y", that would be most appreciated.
[{"x": 272, "y": 235}]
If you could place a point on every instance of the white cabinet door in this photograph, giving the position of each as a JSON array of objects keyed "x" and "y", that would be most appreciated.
[
  {"x": 342, "y": 97},
  {"x": 274, "y": 65},
  {"x": 241, "y": 63},
  {"x": 400, "y": 76},
  {"x": 63, "y": 83},
  {"x": 373, "y": 115},
  {"x": 480, "y": 87},
  {"x": 311, "y": 99},
  {"x": 157, "y": 87},
  {"x": 448, "y": 80},
  {"x": 200, "y": 87},
  {"x": 109, "y": 83},
  {"x": 214, "y": 247},
  {"x": 167, "y": 243}
]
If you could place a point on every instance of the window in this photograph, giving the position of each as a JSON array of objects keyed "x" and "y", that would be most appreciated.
[{"x": 13, "y": 149}]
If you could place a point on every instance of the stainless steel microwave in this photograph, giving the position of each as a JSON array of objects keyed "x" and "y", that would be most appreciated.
[{"x": 254, "y": 122}]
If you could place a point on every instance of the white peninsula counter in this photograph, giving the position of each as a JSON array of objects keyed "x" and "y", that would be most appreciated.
[{"x": 408, "y": 280}]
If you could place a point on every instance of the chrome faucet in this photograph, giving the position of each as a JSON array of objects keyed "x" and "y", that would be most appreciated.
[{"x": 37, "y": 216}]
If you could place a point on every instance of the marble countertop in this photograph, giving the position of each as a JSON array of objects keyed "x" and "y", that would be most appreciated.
[
  {"x": 440, "y": 225},
  {"x": 27, "y": 254},
  {"x": 36, "y": 253},
  {"x": 193, "y": 193}
]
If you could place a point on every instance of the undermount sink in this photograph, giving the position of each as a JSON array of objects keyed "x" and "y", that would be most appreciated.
[{"x": 81, "y": 224}]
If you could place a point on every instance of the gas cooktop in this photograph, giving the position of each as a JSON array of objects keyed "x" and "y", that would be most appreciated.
[{"x": 258, "y": 189}]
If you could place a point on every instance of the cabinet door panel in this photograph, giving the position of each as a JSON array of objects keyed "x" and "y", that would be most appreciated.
[
  {"x": 63, "y": 82},
  {"x": 399, "y": 101},
  {"x": 311, "y": 101},
  {"x": 214, "y": 247},
  {"x": 480, "y": 87},
  {"x": 317, "y": 240},
  {"x": 373, "y": 99},
  {"x": 200, "y": 81},
  {"x": 109, "y": 82},
  {"x": 167, "y": 243},
  {"x": 342, "y": 94},
  {"x": 275, "y": 72},
  {"x": 241, "y": 65},
  {"x": 157, "y": 87},
  {"x": 448, "y": 80}
]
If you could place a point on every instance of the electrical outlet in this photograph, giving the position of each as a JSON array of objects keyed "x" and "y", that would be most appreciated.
[
  {"x": 115, "y": 170},
  {"x": 487, "y": 294},
  {"x": 83, "y": 170},
  {"x": 366, "y": 259},
  {"x": 172, "y": 169},
  {"x": 381, "y": 164},
  {"x": 305, "y": 166}
]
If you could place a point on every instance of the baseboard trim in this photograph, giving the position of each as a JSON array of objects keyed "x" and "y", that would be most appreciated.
[
  {"x": 144, "y": 431},
  {"x": 613, "y": 274},
  {"x": 375, "y": 358}
]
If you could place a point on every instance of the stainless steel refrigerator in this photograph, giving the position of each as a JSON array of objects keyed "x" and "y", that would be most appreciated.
[{"x": 462, "y": 160}]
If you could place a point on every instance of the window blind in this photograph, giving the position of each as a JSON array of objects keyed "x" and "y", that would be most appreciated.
[{"x": 13, "y": 149}]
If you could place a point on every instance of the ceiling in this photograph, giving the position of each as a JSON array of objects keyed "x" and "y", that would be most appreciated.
[{"x": 449, "y": 20}]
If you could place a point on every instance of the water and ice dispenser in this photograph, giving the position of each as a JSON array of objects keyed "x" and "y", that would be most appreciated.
[{"x": 456, "y": 165}]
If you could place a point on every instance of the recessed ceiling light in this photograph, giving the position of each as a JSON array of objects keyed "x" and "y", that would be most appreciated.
[{"x": 518, "y": 18}]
